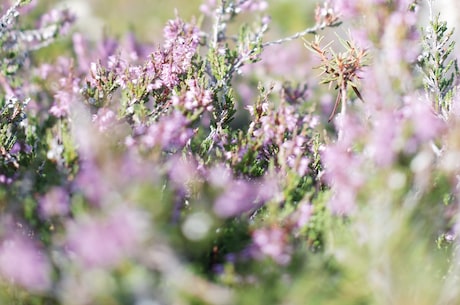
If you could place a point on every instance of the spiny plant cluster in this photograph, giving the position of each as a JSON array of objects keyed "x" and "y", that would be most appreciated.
[{"x": 177, "y": 173}]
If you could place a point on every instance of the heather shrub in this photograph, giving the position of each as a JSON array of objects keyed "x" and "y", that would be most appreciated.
[{"x": 204, "y": 168}]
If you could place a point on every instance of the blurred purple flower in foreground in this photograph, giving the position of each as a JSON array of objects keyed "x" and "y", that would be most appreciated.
[
  {"x": 304, "y": 213},
  {"x": 55, "y": 203},
  {"x": 23, "y": 264},
  {"x": 272, "y": 242},
  {"x": 104, "y": 242},
  {"x": 240, "y": 196}
]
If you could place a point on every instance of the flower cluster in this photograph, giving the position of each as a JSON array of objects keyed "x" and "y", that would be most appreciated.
[{"x": 204, "y": 169}]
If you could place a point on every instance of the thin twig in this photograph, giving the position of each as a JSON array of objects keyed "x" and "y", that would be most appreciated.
[
  {"x": 312, "y": 30},
  {"x": 343, "y": 89}
]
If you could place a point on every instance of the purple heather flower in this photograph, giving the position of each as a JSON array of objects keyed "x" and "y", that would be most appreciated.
[
  {"x": 266, "y": 131},
  {"x": 281, "y": 60},
  {"x": 220, "y": 176},
  {"x": 303, "y": 214},
  {"x": 104, "y": 119},
  {"x": 347, "y": 9},
  {"x": 275, "y": 124},
  {"x": 178, "y": 31},
  {"x": 351, "y": 129},
  {"x": 64, "y": 18},
  {"x": 400, "y": 40},
  {"x": 272, "y": 242},
  {"x": 68, "y": 89},
  {"x": 15, "y": 149},
  {"x": 386, "y": 126},
  {"x": 90, "y": 180},
  {"x": 109, "y": 54},
  {"x": 239, "y": 197},
  {"x": 195, "y": 98},
  {"x": 361, "y": 38},
  {"x": 343, "y": 202},
  {"x": 269, "y": 188},
  {"x": 127, "y": 74},
  {"x": 22, "y": 263},
  {"x": 61, "y": 110},
  {"x": 303, "y": 166},
  {"x": 134, "y": 48},
  {"x": 175, "y": 58},
  {"x": 340, "y": 166},
  {"x": 44, "y": 70},
  {"x": 169, "y": 74},
  {"x": 5, "y": 180},
  {"x": 135, "y": 74},
  {"x": 294, "y": 150},
  {"x": 182, "y": 172},
  {"x": 55, "y": 203},
  {"x": 135, "y": 170},
  {"x": 426, "y": 123},
  {"x": 107, "y": 48},
  {"x": 343, "y": 174},
  {"x": 253, "y": 5},
  {"x": 290, "y": 117},
  {"x": 170, "y": 132},
  {"x": 106, "y": 241},
  {"x": 80, "y": 46}
]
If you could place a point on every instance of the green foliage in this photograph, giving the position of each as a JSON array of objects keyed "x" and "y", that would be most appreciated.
[
  {"x": 186, "y": 207},
  {"x": 440, "y": 68}
]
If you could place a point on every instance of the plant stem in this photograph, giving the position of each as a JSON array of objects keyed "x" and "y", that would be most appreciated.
[
  {"x": 343, "y": 95},
  {"x": 312, "y": 30}
]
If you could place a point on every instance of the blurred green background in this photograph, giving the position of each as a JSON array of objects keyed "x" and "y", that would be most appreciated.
[{"x": 147, "y": 17}]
